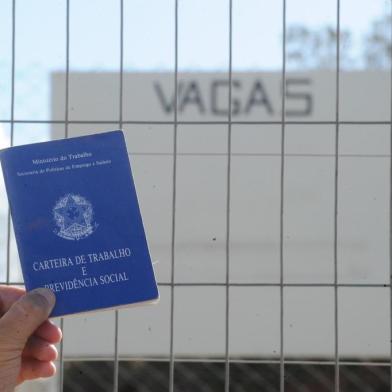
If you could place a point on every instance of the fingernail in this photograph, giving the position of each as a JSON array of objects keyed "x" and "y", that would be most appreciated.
[{"x": 47, "y": 294}]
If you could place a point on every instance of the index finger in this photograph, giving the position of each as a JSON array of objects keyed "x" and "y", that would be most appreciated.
[{"x": 49, "y": 332}]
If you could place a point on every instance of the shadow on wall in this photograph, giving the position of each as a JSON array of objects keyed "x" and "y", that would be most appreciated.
[{"x": 210, "y": 377}]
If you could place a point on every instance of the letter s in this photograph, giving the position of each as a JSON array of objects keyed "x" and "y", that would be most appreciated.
[{"x": 299, "y": 96}]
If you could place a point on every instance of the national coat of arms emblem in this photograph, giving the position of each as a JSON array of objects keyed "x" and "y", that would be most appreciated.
[{"x": 74, "y": 217}]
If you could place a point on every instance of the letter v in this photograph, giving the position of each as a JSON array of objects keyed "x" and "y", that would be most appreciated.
[{"x": 167, "y": 106}]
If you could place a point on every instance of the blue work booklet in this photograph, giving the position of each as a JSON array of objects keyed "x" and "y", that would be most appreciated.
[{"x": 77, "y": 222}]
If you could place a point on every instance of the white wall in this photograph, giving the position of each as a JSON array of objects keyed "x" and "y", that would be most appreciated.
[{"x": 255, "y": 197}]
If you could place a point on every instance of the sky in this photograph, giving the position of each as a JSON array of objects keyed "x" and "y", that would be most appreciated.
[{"x": 203, "y": 44}]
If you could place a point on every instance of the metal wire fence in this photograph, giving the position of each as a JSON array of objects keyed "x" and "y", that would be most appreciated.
[{"x": 281, "y": 373}]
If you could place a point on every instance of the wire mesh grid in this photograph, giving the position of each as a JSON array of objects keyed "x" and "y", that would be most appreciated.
[{"x": 283, "y": 361}]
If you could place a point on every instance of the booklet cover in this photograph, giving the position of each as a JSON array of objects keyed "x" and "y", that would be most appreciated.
[{"x": 77, "y": 222}]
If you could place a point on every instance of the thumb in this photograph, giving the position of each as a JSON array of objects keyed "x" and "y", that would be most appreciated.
[{"x": 25, "y": 316}]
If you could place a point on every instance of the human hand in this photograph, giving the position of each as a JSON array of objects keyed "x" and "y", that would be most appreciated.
[{"x": 27, "y": 338}]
